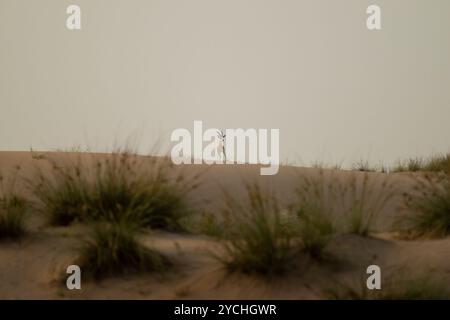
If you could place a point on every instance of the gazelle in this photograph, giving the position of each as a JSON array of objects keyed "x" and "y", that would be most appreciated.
[
  {"x": 221, "y": 146},
  {"x": 229, "y": 146}
]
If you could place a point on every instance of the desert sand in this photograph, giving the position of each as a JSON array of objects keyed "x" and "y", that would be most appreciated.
[{"x": 29, "y": 269}]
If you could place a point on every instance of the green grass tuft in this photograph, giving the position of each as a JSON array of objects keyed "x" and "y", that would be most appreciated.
[
  {"x": 12, "y": 218},
  {"x": 439, "y": 163},
  {"x": 363, "y": 166},
  {"x": 62, "y": 194},
  {"x": 113, "y": 250},
  {"x": 353, "y": 203},
  {"x": 429, "y": 205},
  {"x": 436, "y": 163},
  {"x": 315, "y": 230},
  {"x": 13, "y": 209},
  {"x": 114, "y": 187},
  {"x": 258, "y": 240}
]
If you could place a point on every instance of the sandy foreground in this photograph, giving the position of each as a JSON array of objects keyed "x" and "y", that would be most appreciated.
[{"x": 29, "y": 269}]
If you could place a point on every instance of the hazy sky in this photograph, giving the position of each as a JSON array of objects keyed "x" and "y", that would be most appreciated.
[{"x": 336, "y": 91}]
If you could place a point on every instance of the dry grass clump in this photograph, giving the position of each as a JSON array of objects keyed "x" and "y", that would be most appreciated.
[
  {"x": 315, "y": 229},
  {"x": 437, "y": 163},
  {"x": 118, "y": 196},
  {"x": 428, "y": 207},
  {"x": 12, "y": 210},
  {"x": 109, "y": 187},
  {"x": 12, "y": 218},
  {"x": 258, "y": 240},
  {"x": 354, "y": 202},
  {"x": 410, "y": 165},
  {"x": 363, "y": 166},
  {"x": 113, "y": 249},
  {"x": 265, "y": 237}
]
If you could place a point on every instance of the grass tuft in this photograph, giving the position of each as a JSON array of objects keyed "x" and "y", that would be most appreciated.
[
  {"x": 62, "y": 193},
  {"x": 12, "y": 210},
  {"x": 315, "y": 230},
  {"x": 266, "y": 238},
  {"x": 114, "y": 187},
  {"x": 363, "y": 166},
  {"x": 439, "y": 163},
  {"x": 258, "y": 240},
  {"x": 113, "y": 249},
  {"x": 436, "y": 163},
  {"x": 313, "y": 222},
  {"x": 354, "y": 203},
  {"x": 430, "y": 207},
  {"x": 12, "y": 218}
]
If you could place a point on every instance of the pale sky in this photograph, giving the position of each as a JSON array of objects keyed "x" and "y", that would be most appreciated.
[{"x": 337, "y": 91}]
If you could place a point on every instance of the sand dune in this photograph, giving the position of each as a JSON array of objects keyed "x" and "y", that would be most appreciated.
[{"x": 30, "y": 268}]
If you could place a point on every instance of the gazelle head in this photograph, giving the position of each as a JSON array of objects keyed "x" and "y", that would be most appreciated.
[{"x": 221, "y": 135}]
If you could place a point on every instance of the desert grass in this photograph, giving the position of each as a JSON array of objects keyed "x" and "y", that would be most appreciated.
[
  {"x": 267, "y": 238},
  {"x": 410, "y": 165},
  {"x": 360, "y": 165},
  {"x": 36, "y": 155},
  {"x": 12, "y": 218},
  {"x": 118, "y": 196},
  {"x": 403, "y": 285},
  {"x": 113, "y": 249},
  {"x": 108, "y": 187},
  {"x": 428, "y": 207},
  {"x": 324, "y": 165},
  {"x": 313, "y": 222},
  {"x": 62, "y": 193},
  {"x": 363, "y": 166},
  {"x": 353, "y": 204},
  {"x": 77, "y": 148},
  {"x": 13, "y": 209},
  {"x": 314, "y": 229},
  {"x": 436, "y": 163},
  {"x": 258, "y": 240},
  {"x": 366, "y": 204},
  {"x": 439, "y": 163}
]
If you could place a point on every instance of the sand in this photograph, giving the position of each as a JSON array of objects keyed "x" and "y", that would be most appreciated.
[{"x": 30, "y": 269}]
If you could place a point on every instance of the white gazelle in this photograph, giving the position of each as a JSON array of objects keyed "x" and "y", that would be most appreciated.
[{"x": 229, "y": 147}]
